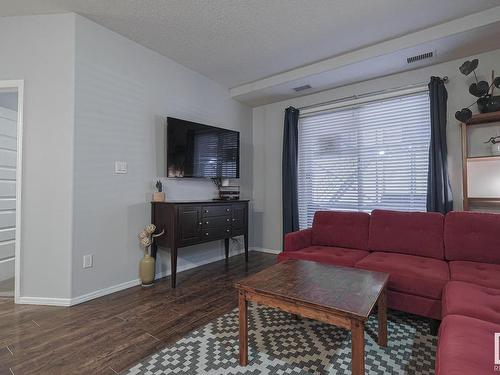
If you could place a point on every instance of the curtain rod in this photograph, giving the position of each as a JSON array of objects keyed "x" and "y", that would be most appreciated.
[{"x": 366, "y": 95}]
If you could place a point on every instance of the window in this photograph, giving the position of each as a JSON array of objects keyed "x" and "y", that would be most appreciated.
[{"x": 373, "y": 155}]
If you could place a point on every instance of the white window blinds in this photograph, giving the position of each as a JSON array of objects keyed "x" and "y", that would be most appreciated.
[{"x": 373, "y": 155}]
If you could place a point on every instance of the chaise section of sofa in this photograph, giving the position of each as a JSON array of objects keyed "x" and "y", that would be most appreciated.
[
  {"x": 475, "y": 301},
  {"x": 471, "y": 301},
  {"x": 465, "y": 346}
]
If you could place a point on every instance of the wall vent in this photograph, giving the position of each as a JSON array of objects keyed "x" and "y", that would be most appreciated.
[
  {"x": 301, "y": 88},
  {"x": 420, "y": 57}
]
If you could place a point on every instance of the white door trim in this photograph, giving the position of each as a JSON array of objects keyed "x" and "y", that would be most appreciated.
[{"x": 18, "y": 86}]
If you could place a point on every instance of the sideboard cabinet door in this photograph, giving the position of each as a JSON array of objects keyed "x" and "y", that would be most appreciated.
[
  {"x": 240, "y": 215},
  {"x": 189, "y": 224}
]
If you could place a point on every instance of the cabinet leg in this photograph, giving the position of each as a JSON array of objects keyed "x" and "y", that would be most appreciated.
[
  {"x": 226, "y": 247},
  {"x": 173, "y": 265},
  {"x": 245, "y": 237},
  {"x": 154, "y": 250}
]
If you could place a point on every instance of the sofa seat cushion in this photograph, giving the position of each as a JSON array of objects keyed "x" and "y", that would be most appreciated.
[
  {"x": 411, "y": 274},
  {"x": 325, "y": 254},
  {"x": 460, "y": 298},
  {"x": 476, "y": 273},
  {"x": 466, "y": 346}
]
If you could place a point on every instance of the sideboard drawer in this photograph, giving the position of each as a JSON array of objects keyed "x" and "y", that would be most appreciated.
[
  {"x": 216, "y": 221},
  {"x": 215, "y": 233},
  {"x": 216, "y": 210}
]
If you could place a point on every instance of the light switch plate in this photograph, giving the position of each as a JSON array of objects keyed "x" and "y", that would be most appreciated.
[
  {"x": 120, "y": 167},
  {"x": 88, "y": 261}
]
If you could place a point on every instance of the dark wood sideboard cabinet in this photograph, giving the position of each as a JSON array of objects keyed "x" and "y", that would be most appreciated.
[{"x": 189, "y": 223}]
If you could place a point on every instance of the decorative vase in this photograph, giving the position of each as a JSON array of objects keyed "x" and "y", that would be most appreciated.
[
  {"x": 495, "y": 149},
  {"x": 147, "y": 270},
  {"x": 159, "y": 196}
]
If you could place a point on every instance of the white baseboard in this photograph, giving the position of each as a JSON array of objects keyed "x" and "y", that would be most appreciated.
[
  {"x": 264, "y": 250},
  {"x": 45, "y": 301},
  {"x": 128, "y": 284},
  {"x": 104, "y": 292}
]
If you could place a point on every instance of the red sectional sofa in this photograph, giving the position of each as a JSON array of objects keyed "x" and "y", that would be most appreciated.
[{"x": 441, "y": 267}]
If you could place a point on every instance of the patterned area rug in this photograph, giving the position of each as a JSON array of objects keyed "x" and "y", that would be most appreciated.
[{"x": 279, "y": 344}]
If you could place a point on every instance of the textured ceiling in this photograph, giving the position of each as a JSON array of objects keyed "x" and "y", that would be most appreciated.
[{"x": 236, "y": 41}]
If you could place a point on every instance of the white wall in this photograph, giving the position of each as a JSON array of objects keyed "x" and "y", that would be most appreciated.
[
  {"x": 268, "y": 137},
  {"x": 123, "y": 93},
  {"x": 40, "y": 50}
]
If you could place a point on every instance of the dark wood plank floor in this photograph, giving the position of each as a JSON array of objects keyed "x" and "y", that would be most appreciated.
[{"x": 112, "y": 333}]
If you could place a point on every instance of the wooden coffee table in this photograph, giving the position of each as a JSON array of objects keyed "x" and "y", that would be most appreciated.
[{"x": 341, "y": 296}]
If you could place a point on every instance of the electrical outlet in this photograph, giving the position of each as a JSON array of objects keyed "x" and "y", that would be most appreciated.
[
  {"x": 88, "y": 261},
  {"x": 120, "y": 167}
]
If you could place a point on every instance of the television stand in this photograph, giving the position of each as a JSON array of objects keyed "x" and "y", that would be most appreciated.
[{"x": 188, "y": 223}]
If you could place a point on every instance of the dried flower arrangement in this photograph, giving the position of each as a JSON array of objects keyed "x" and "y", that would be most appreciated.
[{"x": 147, "y": 236}]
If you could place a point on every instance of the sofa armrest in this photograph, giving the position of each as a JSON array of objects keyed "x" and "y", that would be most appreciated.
[{"x": 298, "y": 240}]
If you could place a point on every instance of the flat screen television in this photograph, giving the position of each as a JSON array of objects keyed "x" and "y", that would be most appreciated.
[{"x": 198, "y": 150}]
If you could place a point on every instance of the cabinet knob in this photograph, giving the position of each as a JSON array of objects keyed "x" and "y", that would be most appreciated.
[
  {"x": 206, "y": 211},
  {"x": 234, "y": 220},
  {"x": 227, "y": 209},
  {"x": 199, "y": 223},
  {"x": 227, "y": 220},
  {"x": 227, "y": 230},
  {"x": 206, "y": 222},
  {"x": 206, "y": 234}
]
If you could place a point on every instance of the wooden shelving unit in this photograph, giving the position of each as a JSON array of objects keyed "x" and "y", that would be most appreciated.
[{"x": 483, "y": 118}]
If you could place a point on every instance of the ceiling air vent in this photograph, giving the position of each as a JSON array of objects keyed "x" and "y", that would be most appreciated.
[
  {"x": 301, "y": 88},
  {"x": 420, "y": 57}
]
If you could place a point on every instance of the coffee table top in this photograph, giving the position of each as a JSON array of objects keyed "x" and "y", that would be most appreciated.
[{"x": 350, "y": 291}]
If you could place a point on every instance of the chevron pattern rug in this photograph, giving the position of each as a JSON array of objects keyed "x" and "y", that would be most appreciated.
[{"x": 279, "y": 344}]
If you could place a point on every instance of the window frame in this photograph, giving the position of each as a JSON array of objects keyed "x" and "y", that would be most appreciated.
[{"x": 352, "y": 104}]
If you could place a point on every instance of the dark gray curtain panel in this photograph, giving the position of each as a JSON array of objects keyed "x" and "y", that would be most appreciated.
[
  {"x": 439, "y": 195},
  {"x": 289, "y": 171}
]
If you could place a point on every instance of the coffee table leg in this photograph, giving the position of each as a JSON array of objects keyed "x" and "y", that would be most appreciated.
[
  {"x": 382, "y": 318},
  {"x": 243, "y": 329},
  {"x": 358, "y": 347}
]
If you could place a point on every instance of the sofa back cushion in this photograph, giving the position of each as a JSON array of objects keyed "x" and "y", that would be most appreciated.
[
  {"x": 472, "y": 236},
  {"x": 414, "y": 233},
  {"x": 342, "y": 229}
]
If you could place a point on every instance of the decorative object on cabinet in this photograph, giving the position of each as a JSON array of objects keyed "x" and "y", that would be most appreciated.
[
  {"x": 495, "y": 145},
  {"x": 147, "y": 263},
  {"x": 229, "y": 193},
  {"x": 226, "y": 192},
  {"x": 187, "y": 223},
  {"x": 472, "y": 164},
  {"x": 483, "y": 90},
  {"x": 159, "y": 196}
]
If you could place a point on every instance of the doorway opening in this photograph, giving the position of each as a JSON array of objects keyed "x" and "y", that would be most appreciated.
[{"x": 11, "y": 98}]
